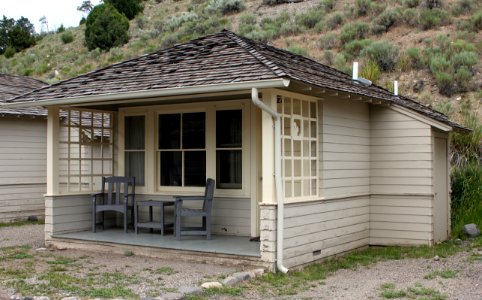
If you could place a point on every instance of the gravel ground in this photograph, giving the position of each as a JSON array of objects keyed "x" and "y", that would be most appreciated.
[{"x": 362, "y": 283}]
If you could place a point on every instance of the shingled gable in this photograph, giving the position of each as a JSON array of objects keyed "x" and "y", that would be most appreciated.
[
  {"x": 221, "y": 58},
  {"x": 13, "y": 86}
]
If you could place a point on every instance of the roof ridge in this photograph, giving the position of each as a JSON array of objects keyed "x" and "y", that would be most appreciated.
[{"x": 274, "y": 68}]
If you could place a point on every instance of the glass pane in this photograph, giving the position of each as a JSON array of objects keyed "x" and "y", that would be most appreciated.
[
  {"x": 305, "y": 108},
  {"x": 170, "y": 131},
  {"x": 313, "y": 129},
  {"x": 228, "y": 169},
  {"x": 287, "y": 106},
  {"x": 297, "y": 167},
  {"x": 306, "y": 188},
  {"x": 313, "y": 168},
  {"x": 313, "y": 149},
  {"x": 134, "y": 166},
  {"x": 313, "y": 187},
  {"x": 229, "y": 129},
  {"x": 306, "y": 168},
  {"x": 306, "y": 128},
  {"x": 134, "y": 129},
  {"x": 288, "y": 172},
  {"x": 297, "y": 148},
  {"x": 296, "y": 107},
  {"x": 194, "y": 168},
  {"x": 297, "y": 188},
  {"x": 306, "y": 149},
  {"x": 193, "y": 131},
  {"x": 288, "y": 189},
  {"x": 171, "y": 168},
  {"x": 313, "y": 109},
  {"x": 287, "y": 147},
  {"x": 287, "y": 126}
]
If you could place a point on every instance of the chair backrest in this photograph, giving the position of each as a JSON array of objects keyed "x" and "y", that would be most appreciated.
[
  {"x": 208, "y": 194},
  {"x": 114, "y": 186}
]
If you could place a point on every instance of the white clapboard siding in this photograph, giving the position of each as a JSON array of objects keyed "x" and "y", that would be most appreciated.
[
  {"x": 329, "y": 227},
  {"x": 67, "y": 214},
  {"x": 401, "y": 154},
  {"x": 400, "y": 219},
  {"x": 22, "y": 167},
  {"x": 345, "y": 148}
]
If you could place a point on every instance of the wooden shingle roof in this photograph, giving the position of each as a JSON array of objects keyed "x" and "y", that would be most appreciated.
[
  {"x": 220, "y": 58},
  {"x": 13, "y": 86}
]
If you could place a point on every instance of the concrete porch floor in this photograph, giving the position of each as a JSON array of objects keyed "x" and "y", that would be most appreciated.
[{"x": 219, "y": 244}]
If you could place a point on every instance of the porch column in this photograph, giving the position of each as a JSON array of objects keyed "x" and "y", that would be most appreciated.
[
  {"x": 53, "y": 151},
  {"x": 267, "y": 150}
]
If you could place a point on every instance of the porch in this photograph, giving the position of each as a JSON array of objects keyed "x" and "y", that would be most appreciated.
[{"x": 221, "y": 249}]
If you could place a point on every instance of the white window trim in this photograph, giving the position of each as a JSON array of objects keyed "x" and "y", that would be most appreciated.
[{"x": 152, "y": 177}]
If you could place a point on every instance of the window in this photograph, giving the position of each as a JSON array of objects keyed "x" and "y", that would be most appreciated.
[
  {"x": 299, "y": 147},
  {"x": 85, "y": 149},
  {"x": 182, "y": 149},
  {"x": 134, "y": 148},
  {"x": 229, "y": 149}
]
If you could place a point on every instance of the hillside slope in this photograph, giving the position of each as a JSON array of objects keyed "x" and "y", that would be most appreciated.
[{"x": 432, "y": 47}]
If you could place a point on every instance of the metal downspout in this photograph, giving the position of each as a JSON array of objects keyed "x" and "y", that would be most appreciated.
[{"x": 277, "y": 178}]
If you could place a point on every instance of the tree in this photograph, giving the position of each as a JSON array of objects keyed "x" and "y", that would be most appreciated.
[
  {"x": 16, "y": 35},
  {"x": 85, "y": 7},
  {"x": 106, "y": 28},
  {"x": 130, "y": 8}
]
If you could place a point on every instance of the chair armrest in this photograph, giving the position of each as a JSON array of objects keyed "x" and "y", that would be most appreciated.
[
  {"x": 129, "y": 195},
  {"x": 97, "y": 194}
]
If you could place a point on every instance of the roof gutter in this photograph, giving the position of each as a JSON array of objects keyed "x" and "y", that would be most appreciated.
[
  {"x": 277, "y": 177},
  {"x": 146, "y": 94}
]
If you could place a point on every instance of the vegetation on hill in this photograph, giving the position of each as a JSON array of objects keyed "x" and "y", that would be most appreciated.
[{"x": 432, "y": 47}]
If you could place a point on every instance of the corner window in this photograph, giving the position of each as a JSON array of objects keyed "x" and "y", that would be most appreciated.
[
  {"x": 229, "y": 149},
  {"x": 182, "y": 149},
  {"x": 134, "y": 148}
]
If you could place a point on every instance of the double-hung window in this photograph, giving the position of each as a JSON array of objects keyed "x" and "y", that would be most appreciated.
[
  {"x": 134, "y": 148},
  {"x": 229, "y": 142},
  {"x": 182, "y": 149}
]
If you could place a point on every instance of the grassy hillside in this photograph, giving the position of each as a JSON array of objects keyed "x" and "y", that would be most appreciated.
[{"x": 433, "y": 47}]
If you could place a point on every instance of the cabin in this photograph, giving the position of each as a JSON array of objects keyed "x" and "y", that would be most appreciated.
[
  {"x": 308, "y": 161},
  {"x": 23, "y": 151}
]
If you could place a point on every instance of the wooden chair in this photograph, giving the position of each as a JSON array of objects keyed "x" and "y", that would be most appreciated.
[
  {"x": 113, "y": 199},
  {"x": 204, "y": 213}
]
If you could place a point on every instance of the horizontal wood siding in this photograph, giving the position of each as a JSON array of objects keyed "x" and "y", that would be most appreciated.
[
  {"x": 22, "y": 167},
  {"x": 345, "y": 148},
  {"x": 67, "y": 214},
  {"x": 317, "y": 229},
  {"x": 401, "y": 179}
]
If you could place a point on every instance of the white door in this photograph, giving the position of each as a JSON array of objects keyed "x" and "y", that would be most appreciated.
[{"x": 441, "y": 203}]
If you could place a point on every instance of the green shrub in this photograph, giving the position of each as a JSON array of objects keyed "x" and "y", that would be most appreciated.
[
  {"x": 371, "y": 71},
  {"x": 298, "y": 50},
  {"x": 466, "y": 204},
  {"x": 462, "y": 7},
  {"x": 415, "y": 58},
  {"x": 10, "y": 52},
  {"x": 309, "y": 19},
  {"x": 445, "y": 83},
  {"x": 327, "y": 5},
  {"x": 383, "y": 53},
  {"x": 431, "y": 4},
  {"x": 354, "y": 48},
  {"x": 362, "y": 7},
  {"x": 411, "y": 3},
  {"x": 61, "y": 28},
  {"x": 67, "y": 37},
  {"x": 106, "y": 28},
  {"x": 226, "y": 6},
  {"x": 476, "y": 21},
  {"x": 328, "y": 41},
  {"x": 463, "y": 78},
  {"x": 272, "y": 2},
  {"x": 130, "y": 8},
  {"x": 410, "y": 16},
  {"x": 438, "y": 63},
  {"x": 430, "y": 18},
  {"x": 340, "y": 61},
  {"x": 328, "y": 58},
  {"x": 387, "y": 19},
  {"x": 353, "y": 31},
  {"x": 335, "y": 21},
  {"x": 464, "y": 58}
]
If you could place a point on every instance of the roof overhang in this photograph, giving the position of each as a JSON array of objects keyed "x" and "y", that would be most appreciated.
[{"x": 144, "y": 95}]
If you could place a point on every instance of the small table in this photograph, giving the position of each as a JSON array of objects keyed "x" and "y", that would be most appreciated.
[{"x": 151, "y": 224}]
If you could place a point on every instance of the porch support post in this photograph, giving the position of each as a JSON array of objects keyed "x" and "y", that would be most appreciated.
[
  {"x": 267, "y": 150},
  {"x": 53, "y": 125}
]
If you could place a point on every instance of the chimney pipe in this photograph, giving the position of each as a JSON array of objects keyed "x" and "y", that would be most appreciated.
[
  {"x": 355, "y": 70},
  {"x": 395, "y": 88}
]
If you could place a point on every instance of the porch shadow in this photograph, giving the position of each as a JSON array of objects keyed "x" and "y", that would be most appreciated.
[{"x": 219, "y": 244}]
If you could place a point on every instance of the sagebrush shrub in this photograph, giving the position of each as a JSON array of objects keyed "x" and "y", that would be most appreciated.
[
  {"x": 430, "y": 18},
  {"x": 384, "y": 53},
  {"x": 67, "y": 37},
  {"x": 462, "y": 7},
  {"x": 328, "y": 41},
  {"x": 353, "y": 31},
  {"x": 464, "y": 58},
  {"x": 226, "y": 6},
  {"x": 445, "y": 83},
  {"x": 354, "y": 48},
  {"x": 309, "y": 19},
  {"x": 387, "y": 19},
  {"x": 335, "y": 21},
  {"x": 411, "y": 3},
  {"x": 410, "y": 16},
  {"x": 362, "y": 7},
  {"x": 476, "y": 21},
  {"x": 415, "y": 58}
]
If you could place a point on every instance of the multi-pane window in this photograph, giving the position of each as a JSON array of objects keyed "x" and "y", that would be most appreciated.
[
  {"x": 182, "y": 149},
  {"x": 85, "y": 149},
  {"x": 299, "y": 147},
  {"x": 134, "y": 147},
  {"x": 229, "y": 144}
]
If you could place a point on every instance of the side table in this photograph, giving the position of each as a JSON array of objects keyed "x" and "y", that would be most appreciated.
[{"x": 151, "y": 224}]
